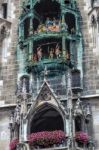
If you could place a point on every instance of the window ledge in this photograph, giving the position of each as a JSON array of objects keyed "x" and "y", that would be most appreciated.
[
  {"x": 5, "y": 20},
  {"x": 54, "y": 148}
]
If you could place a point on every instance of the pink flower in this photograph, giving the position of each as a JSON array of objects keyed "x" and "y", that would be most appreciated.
[
  {"x": 81, "y": 137},
  {"x": 13, "y": 144},
  {"x": 46, "y": 138}
]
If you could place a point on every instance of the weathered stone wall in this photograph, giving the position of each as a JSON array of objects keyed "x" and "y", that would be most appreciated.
[
  {"x": 95, "y": 110},
  {"x": 8, "y": 66},
  {"x": 90, "y": 70},
  {"x": 9, "y": 63},
  {"x": 89, "y": 58}
]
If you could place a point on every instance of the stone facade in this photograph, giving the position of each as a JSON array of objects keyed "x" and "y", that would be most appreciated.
[
  {"x": 9, "y": 66},
  {"x": 8, "y": 54}
]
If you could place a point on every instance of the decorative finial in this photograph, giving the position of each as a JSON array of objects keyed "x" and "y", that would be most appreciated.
[{"x": 45, "y": 73}]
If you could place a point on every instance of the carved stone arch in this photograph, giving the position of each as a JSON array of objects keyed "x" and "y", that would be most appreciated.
[
  {"x": 45, "y": 111},
  {"x": 78, "y": 123}
]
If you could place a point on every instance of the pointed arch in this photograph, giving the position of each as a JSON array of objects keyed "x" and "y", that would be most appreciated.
[
  {"x": 70, "y": 20},
  {"x": 47, "y": 117}
]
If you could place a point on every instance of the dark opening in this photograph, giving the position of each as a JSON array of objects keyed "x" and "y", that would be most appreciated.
[
  {"x": 67, "y": 1},
  {"x": 70, "y": 21},
  {"x": 4, "y": 6},
  {"x": 68, "y": 54},
  {"x": 47, "y": 8},
  {"x": 35, "y": 24},
  {"x": 92, "y": 3},
  {"x": 26, "y": 27},
  {"x": 28, "y": 7},
  {"x": 68, "y": 45},
  {"x": 78, "y": 124},
  {"x": 76, "y": 78},
  {"x": 46, "y": 119},
  {"x": 25, "y": 8}
]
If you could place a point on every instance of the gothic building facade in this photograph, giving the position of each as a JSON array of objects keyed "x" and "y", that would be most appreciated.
[{"x": 49, "y": 74}]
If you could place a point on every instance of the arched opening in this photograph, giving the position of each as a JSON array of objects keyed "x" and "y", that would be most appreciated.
[
  {"x": 47, "y": 13},
  {"x": 47, "y": 8},
  {"x": 70, "y": 21},
  {"x": 26, "y": 27},
  {"x": 78, "y": 124},
  {"x": 46, "y": 118},
  {"x": 35, "y": 24}
]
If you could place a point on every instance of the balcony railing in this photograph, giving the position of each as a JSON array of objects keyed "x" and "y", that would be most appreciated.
[
  {"x": 59, "y": 34},
  {"x": 53, "y": 65},
  {"x": 52, "y": 28}
]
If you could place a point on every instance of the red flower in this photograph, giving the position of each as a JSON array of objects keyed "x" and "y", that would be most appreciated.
[
  {"x": 13, "y": 144},
  {"x": 81, "y": 137},
  {"x": 46, "y": 138}
]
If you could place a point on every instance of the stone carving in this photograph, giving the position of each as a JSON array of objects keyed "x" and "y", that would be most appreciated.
[
  {"x": 77, "y": 108},
  {"x": 45, "y": 96},
  {"x": 4, "y": 28}
]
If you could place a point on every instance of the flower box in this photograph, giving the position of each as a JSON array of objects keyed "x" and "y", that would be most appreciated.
[
  {"x": 81, "y": 137},
  {"x": 46, "y": 138}
]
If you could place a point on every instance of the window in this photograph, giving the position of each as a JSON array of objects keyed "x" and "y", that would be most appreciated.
[
  {"x": 94, "y": 29},
  {"x": 26, "y": 27},
  {"x": 4, "y": 8},
  {"x": 78, "y": 123}
]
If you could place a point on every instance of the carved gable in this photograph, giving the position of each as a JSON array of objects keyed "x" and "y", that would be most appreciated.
[
  {"x": 45, "y": 96},
  {"x": 45, "y": 93}
]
